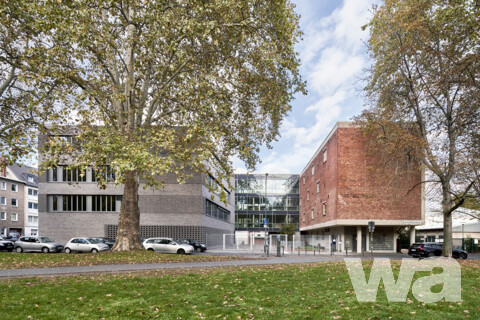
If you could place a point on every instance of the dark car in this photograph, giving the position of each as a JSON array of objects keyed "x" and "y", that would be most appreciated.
[
  {"x": 109, "y": 242},
  {"x": 6, "y": 245},
  {"x": 432, "y": 249},
  {"x": 194, "y": 243}
]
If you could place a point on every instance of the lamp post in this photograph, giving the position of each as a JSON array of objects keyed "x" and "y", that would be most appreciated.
[{"x": 265, "y": 220}]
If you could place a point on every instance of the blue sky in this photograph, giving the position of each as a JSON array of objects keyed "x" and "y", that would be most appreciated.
[{"x": 333, "y": 56}]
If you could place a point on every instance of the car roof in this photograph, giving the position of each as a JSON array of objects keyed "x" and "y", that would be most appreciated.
[{"x": 156, "y": 238}]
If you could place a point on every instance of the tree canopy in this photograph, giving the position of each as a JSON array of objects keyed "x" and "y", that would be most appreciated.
[
  {"x": 424, "y": 92},
  {"x": 156, "y": 87}
]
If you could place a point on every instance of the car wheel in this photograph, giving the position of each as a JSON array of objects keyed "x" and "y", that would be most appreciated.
[
  {"x": 150, "y": 249},
  {"x": 68, "y": 250},
  {"x": 181, "y": 251},
  {"x": 45, "y": 250},
  {"x": 199, "y": 249},
  {"x": 431, "y": 254},
  {"x": 19, "y": 249},
  {"x": 10, "y": 250},
  {"x": 94, "y": 250},
  {"x": 463, "y": 256},
  {"x": 203, "y": 250}
]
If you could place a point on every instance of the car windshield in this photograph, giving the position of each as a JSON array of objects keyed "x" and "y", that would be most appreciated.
[
  {"x": 173, "y": 242},
  {"x": 92, "y": 240},
  {"x": 45, "y": 240}
]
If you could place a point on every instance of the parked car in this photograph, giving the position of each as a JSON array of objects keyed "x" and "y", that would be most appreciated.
[
  {"x": 167, "y": 245},
  {"x": 85, "y": 245},
  {"x": 10, "y": 238},
  {"x": 109, "y": 242},
  {"x": 194, "y": 243},
  {"x": 432, "y": 249},
  {"x": 35, "y": 243},
  {"x": 6, "y": 245}
]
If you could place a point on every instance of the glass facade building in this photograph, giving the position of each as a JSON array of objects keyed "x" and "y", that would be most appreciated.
[{"x": 275, "y": 197}]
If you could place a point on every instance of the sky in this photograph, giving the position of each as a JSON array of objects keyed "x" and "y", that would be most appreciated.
[{"x": 334, "y": 57}]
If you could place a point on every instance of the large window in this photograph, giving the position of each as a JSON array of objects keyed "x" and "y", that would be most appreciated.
[
  {"x": 74, "y": 175},
  {"x": 214, "y": 210},
  {"x": 3, "y": 185},
  {"x": 14, "y": 202},
  {"x": 3, "y": 201},
  {"x": 14, "y": 187},
  {"x": 32, "y": 192},
  {"x": 3, "y": 215},
  {"x": 32, "y": 219},
  {"x": 104, "y": 203},
  {"x": 74, "y": 203},
  {"x": 14, "y": 216},
  {"x": 106, "y": 172}
]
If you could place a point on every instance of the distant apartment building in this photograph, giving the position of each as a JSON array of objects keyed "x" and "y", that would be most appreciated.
[
  {"x": 18, "y": 201},
  {"x": 341, "y": 192},
  {"x": 274, "y": 197},
  {"x": 71, "y": 204}
]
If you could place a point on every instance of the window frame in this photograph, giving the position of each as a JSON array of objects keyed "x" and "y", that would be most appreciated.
[
  {"x": 14, "y": 214},
  {"x": 14, "y": 187},
  {"x": 3, "y": 185},
  {"x": 4, "y": 215},
  {"x": 16, "y": 202},
  {"x": 324, "y": 208},
  {"x": 324, "y": 155}
]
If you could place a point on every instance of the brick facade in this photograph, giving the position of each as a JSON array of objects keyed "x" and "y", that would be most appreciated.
[{"x": 346, "y": 181}]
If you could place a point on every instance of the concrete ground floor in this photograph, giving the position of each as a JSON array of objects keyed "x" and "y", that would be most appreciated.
[{"x": 358, "y": 238}]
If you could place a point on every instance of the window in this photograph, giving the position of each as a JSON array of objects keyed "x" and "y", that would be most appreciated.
[
  {"x": 74, "y": 203},
  {"x": 318, "y": 186},
  {"x": 32, "y": 192},
  {"x": 14, "y": 216},
  {"x": 34, "y": 232},
  {"x": 104, "y": 203},
  {"x": 54, "y": 174},
  {"x": 14, "y": 187},
  {"x": 3, "y": 215},
  {"x": 308, "y": 194},
  {"x": 32, "y": 219},
  {"x": 3, "y": 201},
  {"x": 312, "y": 213},
  {"x": 14, "y": 202},
  {"x": 73, "y": 175},
  {"x": 215, "y": 211},
  {"x": 324, "y": 208},
  {"x": 32, "y": 205},
  {"x": 303, "y": 218},
  {"x": 30, "y": 178},
  {"x": 3, "y": 231},
  {"x": 3, "y": 185},
  {"x": 325, "y": 155},
  {"x": 106, "y": 172},
  {"x": 303, "y": 179},
  {"x": 313, "y": 170}
]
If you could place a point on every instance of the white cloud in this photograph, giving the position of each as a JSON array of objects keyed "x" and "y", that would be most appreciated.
[{"x": 332, "y": 55}]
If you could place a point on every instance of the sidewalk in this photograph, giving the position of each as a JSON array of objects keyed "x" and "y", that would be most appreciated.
[{"x": 287, "y": 259}]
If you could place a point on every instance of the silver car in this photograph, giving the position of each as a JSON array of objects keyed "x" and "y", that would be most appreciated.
[
  {"x": 167, "y": 245},
  {"x": 85, "y": 245},
  {"x": 40, "y": 244}
]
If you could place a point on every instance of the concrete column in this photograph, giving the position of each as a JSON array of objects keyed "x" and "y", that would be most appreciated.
[
  {"x": 412, "y": 235},
  {"x": 359, "y": 239},
  {"x": 394, "y": 239}
]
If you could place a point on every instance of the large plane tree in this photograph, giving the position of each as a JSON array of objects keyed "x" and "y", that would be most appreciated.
[
  {"x": 424, "y": 93},
  {"x": 156, "y": 87}
]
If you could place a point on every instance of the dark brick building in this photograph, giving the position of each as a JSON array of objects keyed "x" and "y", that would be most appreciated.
[{"x": 341, "y": 191}]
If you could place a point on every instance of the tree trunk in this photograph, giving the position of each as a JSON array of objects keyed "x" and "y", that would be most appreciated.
[
  {"x": 447, "y": 220},
  {"x": 128, "y": 234}
]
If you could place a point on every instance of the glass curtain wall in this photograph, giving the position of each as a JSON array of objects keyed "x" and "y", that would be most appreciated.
[{"x": 273, "y": 196}]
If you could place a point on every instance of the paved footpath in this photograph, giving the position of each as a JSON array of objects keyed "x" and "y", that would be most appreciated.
[
  {"x": 14, "y": 273},
  {"x": 288, "y": 259}
]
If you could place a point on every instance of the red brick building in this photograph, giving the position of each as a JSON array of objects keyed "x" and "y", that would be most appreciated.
[{"x": 340, "y": 191}]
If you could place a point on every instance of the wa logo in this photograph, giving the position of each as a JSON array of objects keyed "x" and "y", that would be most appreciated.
[{"x": 397, "y": 291}]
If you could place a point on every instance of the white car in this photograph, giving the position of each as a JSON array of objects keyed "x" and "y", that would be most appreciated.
[
  {"x": 85, "y": 245},
  {"x": 167, "y": 245}
]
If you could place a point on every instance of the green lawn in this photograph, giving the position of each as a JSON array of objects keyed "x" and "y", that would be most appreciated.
[
  {"x": 10, "y": 260},
  {"x": 316, "y": 291}
]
